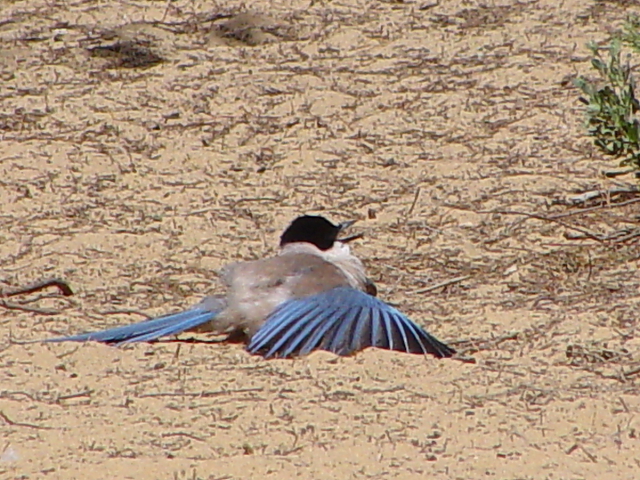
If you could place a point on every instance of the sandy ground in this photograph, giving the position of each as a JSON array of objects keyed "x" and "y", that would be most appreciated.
[{"x": 144, "y": 144}]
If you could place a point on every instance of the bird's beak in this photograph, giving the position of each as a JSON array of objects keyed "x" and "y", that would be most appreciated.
[{"x": 346, "y": 225}]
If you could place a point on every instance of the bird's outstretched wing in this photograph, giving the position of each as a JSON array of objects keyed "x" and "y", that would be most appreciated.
[
  {"x": 342, "y": 320},
  {"x": 150, "y": 330}
]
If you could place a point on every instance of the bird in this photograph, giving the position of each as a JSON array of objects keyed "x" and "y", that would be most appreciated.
[{"x": 314, "y": 295}]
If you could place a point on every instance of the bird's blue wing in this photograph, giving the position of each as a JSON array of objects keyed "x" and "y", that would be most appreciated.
[
  {"x": 342, "y": 320},
  {"x": 146, "y": 331}
]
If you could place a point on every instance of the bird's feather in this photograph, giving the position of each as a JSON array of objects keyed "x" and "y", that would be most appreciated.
[
  {"x": 146, "y": 331},
  {"x": 342, "y": 320}
]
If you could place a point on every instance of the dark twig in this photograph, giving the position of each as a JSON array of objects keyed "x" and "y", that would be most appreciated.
[
  {"x": 24, "y": 308},
  {"x": 126, "y": 311},
  {"x": 617, "y": 173},
  {"x": 413, "y": 204},
  {"x": 591, "y": 209},
  {"x": 85, "y": 393},
  {"x": 201, "y": 394},
  {"x": 479, "y": 344},
  {"x": 8, "y": 421},
  {"x": 584, "y": 231},
  {"x": 63, "y": 286},
  {"x": 184, "y": 434},
  {"x": 631, "y": 373},
  {"x": 441, "y": 284},
  {"x": 621, "y": 237},
  {"x": 585, "y": 197}
]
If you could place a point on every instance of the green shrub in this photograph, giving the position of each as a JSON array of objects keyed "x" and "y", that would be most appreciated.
[{"x": 611, "y": 102}]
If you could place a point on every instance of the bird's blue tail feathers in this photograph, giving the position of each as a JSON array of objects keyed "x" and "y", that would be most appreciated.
[{"x": 147, "y": 330}]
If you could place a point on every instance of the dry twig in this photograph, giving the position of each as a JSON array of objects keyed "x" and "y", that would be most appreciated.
[
  {"x": 63, "y": 286},
  {"x": 441, "y": 284}
]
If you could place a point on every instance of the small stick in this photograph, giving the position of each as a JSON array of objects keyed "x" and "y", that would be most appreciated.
[
  {"x": 616, "y": 173},
  {"x": 126, "y": 311},
  {"x": 630, "y": 373},
  {"x": 628, "y": 236},
  {"x": 63, "y": 286},
  {"x": 203, "y": 394},
  {"x": 591, "y": 209},
  {"x": 85, "y": 393},
  {"x": 183, "y": 434},
  {"x": 584, "y": 231},
  {"x": 413, "y": 205},
  {"x": 441, "y": 284},
  {"x": 592, "y": 457},
  {"x": 24, "y": 308},
  {"x": 8, "y": 421},
  {"x": 585, "y": 197}
]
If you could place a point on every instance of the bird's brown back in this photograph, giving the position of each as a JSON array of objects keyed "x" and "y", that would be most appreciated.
[{"x": 257, "y": 288}]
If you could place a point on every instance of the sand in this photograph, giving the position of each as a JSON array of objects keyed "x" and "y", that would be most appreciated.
[{"x": 144, "y": 145}]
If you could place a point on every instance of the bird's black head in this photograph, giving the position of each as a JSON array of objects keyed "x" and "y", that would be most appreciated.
[{"x": 312, "y": 229}]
